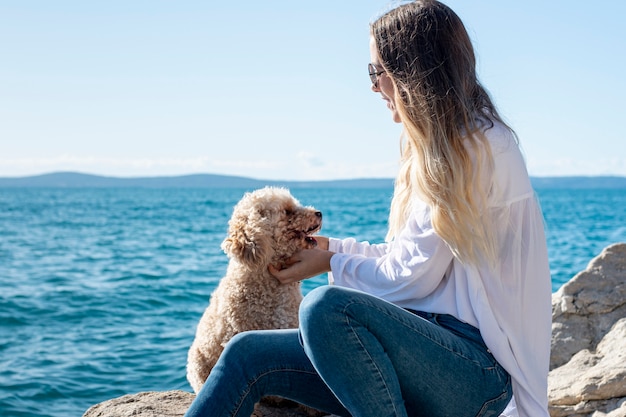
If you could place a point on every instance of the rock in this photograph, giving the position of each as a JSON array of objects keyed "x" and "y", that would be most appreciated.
[
  {"x": 588, "y": 360},
  {"x": 144, "y": 404},
  {"x": 586, "y": 307},
  {"x": 175, "y": 404},
  {"x": 591, "y": 380}
]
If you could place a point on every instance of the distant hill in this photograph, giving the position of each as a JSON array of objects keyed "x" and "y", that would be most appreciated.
[
  {"x": 78, "y": 180},
  {"x": 579, "y": 182}
]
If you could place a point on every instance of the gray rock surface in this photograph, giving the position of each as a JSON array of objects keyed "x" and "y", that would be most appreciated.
[
  {"x": 588, "y": 360},
  {"x": 173, "y": 404},
  {"x": 144, "y": 404}
]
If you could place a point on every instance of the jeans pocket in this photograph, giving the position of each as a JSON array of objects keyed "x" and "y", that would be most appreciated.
[{"x": 495, "y": 406}]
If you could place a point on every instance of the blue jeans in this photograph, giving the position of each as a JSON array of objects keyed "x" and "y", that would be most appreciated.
[{"x": 357, "y": 355}]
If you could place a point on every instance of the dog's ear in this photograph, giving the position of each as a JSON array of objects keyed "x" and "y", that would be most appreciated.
[{"x": 249, "y": 246}]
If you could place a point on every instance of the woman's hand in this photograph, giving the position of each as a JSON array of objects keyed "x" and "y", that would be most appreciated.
[
  {"x": 322, "y": 242},
  {"x": 305, "y": 264}
]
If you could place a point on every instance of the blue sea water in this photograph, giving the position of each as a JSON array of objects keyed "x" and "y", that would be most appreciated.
[{"x": 101, "y": 289}]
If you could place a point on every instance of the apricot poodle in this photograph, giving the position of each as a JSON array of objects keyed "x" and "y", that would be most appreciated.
[{"x": 267, "y": 227}]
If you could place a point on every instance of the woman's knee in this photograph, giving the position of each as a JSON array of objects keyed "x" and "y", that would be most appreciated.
[
  {"x": 321, "y": 301},
  {"x": 240, "y": 345},
  {"x": 254, "y": 351},
  {"x": 324, "y": 308}
]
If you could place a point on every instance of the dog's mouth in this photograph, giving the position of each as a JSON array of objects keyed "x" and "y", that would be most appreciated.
[
  {"x": 307, "y": 234},
  {"x": 311, "y": 231}
]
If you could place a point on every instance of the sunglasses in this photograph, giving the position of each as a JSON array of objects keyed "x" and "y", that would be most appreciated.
[{"x": 374, "y": 74}]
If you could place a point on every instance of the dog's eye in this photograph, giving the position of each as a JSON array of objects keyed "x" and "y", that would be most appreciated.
[{"x": 288, "y": 212}]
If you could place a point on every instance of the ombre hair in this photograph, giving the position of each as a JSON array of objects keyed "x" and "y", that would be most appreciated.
[{"x": 445, "y": 158}]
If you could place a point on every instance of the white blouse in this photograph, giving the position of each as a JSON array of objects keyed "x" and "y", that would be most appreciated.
[{"x": 511, "y": 305}]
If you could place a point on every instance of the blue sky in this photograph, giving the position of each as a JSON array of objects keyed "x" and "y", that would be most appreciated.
[{"x": 279, "y": 89}]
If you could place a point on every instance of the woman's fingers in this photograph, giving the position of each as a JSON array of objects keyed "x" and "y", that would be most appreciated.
[{"x": 305, "y": 264}]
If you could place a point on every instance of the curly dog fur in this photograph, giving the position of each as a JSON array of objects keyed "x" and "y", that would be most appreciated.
[{"x": 267, "y": 227}]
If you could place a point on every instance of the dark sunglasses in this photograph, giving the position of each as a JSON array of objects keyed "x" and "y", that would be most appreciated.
[{"x": 374, "y": 74}]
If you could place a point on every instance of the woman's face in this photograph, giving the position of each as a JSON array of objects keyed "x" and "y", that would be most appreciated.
[{"x": 384, "y": 85}]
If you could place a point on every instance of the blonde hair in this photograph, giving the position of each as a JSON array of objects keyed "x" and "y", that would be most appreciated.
[{"x": 425, "y": 50}]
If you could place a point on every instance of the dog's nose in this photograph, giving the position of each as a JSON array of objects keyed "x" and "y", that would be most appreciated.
[{"x": 318, "y": 214}]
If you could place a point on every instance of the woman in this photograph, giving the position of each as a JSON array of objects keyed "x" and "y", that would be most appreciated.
[{"x": 450, "y": 317}]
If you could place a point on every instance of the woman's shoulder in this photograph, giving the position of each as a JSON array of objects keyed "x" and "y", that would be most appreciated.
[
  {"x": 501, "y": 138},
  {"x": 510, "y": 176}
]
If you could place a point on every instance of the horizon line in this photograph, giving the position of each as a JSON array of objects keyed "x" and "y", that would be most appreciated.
[{"x": 269, "y": 179}]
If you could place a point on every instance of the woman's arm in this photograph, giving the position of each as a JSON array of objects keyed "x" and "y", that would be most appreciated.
[
  {"x": 312, "y": 262},
  {"x": 413, "y": 267},
  {"x": 351, "y": 245}
]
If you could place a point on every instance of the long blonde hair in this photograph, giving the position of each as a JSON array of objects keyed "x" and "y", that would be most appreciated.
[{"x": 425, "y": 50}]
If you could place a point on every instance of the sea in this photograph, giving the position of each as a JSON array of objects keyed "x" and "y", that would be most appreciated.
[{"x": 101, "y": 288}]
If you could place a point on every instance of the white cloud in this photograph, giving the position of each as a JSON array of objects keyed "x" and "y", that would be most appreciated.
[
  {"x": 310, "y": 159},
  {"x": 305, "y": 166},
  {"x": 574, "y": 167}
]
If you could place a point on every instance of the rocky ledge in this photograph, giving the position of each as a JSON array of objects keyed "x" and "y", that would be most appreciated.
[
  {"x": 174, "y": 404},
  {"x": 588, "y": 360}
]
